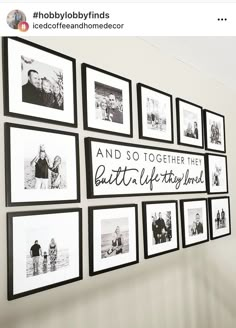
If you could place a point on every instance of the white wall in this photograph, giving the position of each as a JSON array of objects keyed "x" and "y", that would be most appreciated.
[{"x": 190, "y": 288}]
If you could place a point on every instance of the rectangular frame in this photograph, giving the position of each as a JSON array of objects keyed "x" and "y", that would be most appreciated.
[
  {"x": 145, "y": 237},
  {"x": 178, "y": 116},
  {"x": 140, "y": 113},
  {"x": 91, "y": 210},
  {"x": 208, "y": 174},
  {"x": 211, "y": 218},
  {"x": 89, "y": 169},
  {"x": 206, "y": 111},
  {"x": 8, "y": 179},
  {"x": 6, "y": 79},
  {"x": 182, "y": 201},
  {"x": 87, "y": 126},
  {"x": 10, "y": 262}
]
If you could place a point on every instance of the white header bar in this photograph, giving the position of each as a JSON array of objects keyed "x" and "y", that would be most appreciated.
[{"x": 123, "y": 19}]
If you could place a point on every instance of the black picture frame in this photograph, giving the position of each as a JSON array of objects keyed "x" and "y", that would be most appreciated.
[
  {"x": 207, "y": 147},
  {"x": 6, "y": 80},
  {"x": 10, "y": 255},
  {"x": 8, "y": 178},
  {"x": 89, "y": 169},
  {"x": 182, "y": 203},
  {"x": 145, "y": 230},
  {"x": 212, "y": 219},
  {"x": 91, "y": 234},
  {"x": 180, "y": 128},
  {"x": 85, "y": 96},
  {"x": 209, "y": 171},
  {"x": 141, "y": 118}
]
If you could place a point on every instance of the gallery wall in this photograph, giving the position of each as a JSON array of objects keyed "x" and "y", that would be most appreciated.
[{"x": 188, "y": 288}]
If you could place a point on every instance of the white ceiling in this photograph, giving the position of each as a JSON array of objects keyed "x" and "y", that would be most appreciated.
[{"x": 214, "y": 56}]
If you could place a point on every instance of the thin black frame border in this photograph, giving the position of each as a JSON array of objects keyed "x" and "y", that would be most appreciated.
[
  {"x": 206, "y": 135},
  {"x": 8, "y": 201},
  {"x": 89, "y": 170},
  {"x": 6, "y": 83},
  {"x": 84, "y": 67},
  {"x": 208, "y": 174},
  {"x": 145, "y": 239},
  {"x": 10, "y": 260},
  {"x": 91, "y": 209},
  {"x": 210, "y": 216},
  {"x": 182, "y": 201},
  {"x": 140, "y": 113},
  {"x": 178, "y": 123}
]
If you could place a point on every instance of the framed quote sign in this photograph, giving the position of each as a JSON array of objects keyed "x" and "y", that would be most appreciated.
[{"x": 122, "y": 169}]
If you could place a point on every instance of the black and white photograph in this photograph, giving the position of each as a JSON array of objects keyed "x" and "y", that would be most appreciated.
[
  {"x": 40, "y": 83},
  {"x": 215, "y": 131},
  {"x": 44, "y": 250},
  {"x": 217, "y": 174},
  {"x": 113, "y": 240},
  {"x": 155, "y": 114},
  {"x": 189, "y": 123},
  {"x": 41, "y": 165},
  {"x": 106, "y": 101},
  {"x": 194, "y": 218},
  {"x": 220, "y": 222},
  {"x": 160, "y": 228}
]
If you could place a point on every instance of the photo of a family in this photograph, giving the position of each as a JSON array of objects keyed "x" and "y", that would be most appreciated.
[
  {"x": 42, "y": 84},
  {"x": 42, "y": 172},
  {"x": 44, "y": 250},
  {"x": 195, "y": 221},
  {"x": 114, "y": 237},
  {"x": 47, "y": 257},
  {"x": 220, "y": 219},
  {"x": 161, "y": 227},
  {"x": 156, "y": 115},
  {"x": 190, "y": 124},
  {"x": 215, "y": 131},
  {"x": 108, "y": 103}
]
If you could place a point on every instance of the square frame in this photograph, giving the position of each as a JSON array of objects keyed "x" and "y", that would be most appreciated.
[
  {"x": 183, "y": 226},
  {"x": 210, "y": 201},
  {"x": 199, "y": 111},
  {"x": 207, "y": 147},
  {"x": 161, "y": 94},
  {"x": 89, "y": 121},
  {"x": 6, "y": 81},
  {"x": 145, "y": 230},
  {"x": 91, "y": 233},
  {"x": 8, "y": 178},
  {"x": 10, "y": 263}
]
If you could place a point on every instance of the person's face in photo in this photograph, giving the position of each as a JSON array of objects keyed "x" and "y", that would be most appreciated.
[
  {"x": 112, "y": 101},
  {"x": 197, "y": 218},
  {"x": 36, "y": 242},
  {"x": 56, "y": 89},
  {"x": 42, "y": 155},
  {"x": 34, "y": 79},
  {"x": 103, "y": 105},
  {"x": 46, "y": 86}
]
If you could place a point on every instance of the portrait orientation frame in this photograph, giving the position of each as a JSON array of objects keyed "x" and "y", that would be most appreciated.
[
  {"x": 207, "y": 146},
  {"x": 134, "y": 249},
  {"x": 209, "y": 171},
  {"x": 183, "y": 223},
  {"x": 14, "y": 106},
  {"x": 11, "y": 234},
  {"x": 180, "y": 128},
  {"x": 89, "y": 78},
  {"x": 91, "y": 192},
  {"x": 147, "y": 253},
  {"x": 8, "y": 167},
  {"x": 226, "y": 232},
  {"x": 142, "y": 119}
]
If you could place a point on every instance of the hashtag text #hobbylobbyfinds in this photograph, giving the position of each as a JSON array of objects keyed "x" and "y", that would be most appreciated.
[{"x": 73, "y": 14}]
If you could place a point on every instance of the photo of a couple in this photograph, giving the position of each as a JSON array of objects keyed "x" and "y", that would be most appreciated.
[
  {"x": 42, "y": 84},
  {"x": 161, "y": 227}
]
